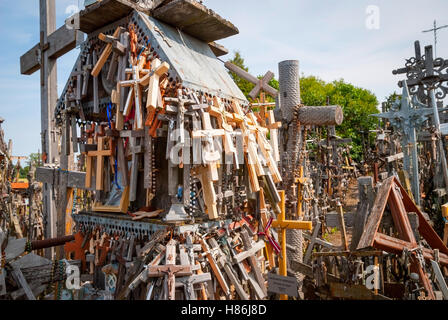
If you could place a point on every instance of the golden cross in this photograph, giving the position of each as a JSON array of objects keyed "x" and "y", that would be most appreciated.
[{"x": 283, "y": 224}]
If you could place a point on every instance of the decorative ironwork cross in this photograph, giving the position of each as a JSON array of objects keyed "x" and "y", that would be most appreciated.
[
  {"x": 427, "y": 79},
  {"x": 406, "y": 118}
]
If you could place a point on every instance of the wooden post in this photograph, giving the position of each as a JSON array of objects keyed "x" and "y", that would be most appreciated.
[
  {"x": 53, "y": 44},
  {"x": 342, "y": 224},
  {"x": 445, "y": 218},
  {"x": 49, "y": 98}
]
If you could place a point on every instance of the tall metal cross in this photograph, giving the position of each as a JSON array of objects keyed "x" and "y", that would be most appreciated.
[
  {"x": 428, "y": 81},
  {"x": 435, "y": 29},
  {"x": 405, "y": 117}
]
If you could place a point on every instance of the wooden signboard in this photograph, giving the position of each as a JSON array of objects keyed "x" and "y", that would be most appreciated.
[{"x": 283, "y": 285}]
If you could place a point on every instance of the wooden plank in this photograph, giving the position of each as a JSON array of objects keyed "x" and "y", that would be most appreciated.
[
  {"x": 394, "y": 245},
  {"x": 353, "y": 292},
  {"x": 195, "y": 19},
  {"x": 103, "y": 13},
  {"x": 309, "y": 249},
  {"x": 18, "y": 275},
  {"x": 368, "y": 236}
]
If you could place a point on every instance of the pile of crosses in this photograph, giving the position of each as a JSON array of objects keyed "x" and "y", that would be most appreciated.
[
  {"x": 414, "y": 134},
  {"x": 394, "y": 251},
  {"x": 19, "y": 198},
  {"x": 178, "y": 189},
  {"x": 330, "y": 165}
]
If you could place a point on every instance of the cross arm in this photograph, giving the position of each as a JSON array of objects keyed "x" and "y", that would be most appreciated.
[
  {"x": 244, "y": 255},
  {"x": 303, "y": 225},
  {"x": 194, "y": 279},
  {"x": 158, "y": 271},
  {"x": 60, "y": 42},
  {"x": 47, "y": 175}
]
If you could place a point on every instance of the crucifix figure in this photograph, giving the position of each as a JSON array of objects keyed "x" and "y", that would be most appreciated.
[
  {"x": 405, "y": 117},
  {"x": 170, "y": 270}
]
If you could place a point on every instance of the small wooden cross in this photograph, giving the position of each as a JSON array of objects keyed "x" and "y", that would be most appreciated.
[
  {"x": 222, "y": 116},
  {"x": 301, "y": 180},
  {"x": 209, "y": 133},
  {"x": 153, "y": 80},
  {"x": 208, "y": 189},
  {"x": 100, "y": 154},
  {"x": 136, "y": 149},
  {"x": 170, "y": 269},
  {"x": 135, "y": 94},
  {"x": 106, "y": 52},
  {"x": 252, "y": 160},
  {"x": 253, "y": 261},
  {"x": 283, "y": 224}
]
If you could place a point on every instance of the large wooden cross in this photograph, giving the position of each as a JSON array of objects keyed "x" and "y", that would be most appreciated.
[
  {"x": 283, "y": 224},
  {"x": 53, "y": 44}
]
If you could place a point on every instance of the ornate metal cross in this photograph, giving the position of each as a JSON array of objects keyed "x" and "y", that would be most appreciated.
[
  {"x": 427, "y": 79},
  {"x": 406, "y": 118}
]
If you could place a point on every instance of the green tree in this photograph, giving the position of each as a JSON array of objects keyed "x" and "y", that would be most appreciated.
[
  {"x": 390, "y": 100},
  {"x": 358, "y": 104},
  {"x": 33, "y": 160}
]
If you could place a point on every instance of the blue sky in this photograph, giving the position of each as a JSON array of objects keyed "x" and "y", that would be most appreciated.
[{"x": 329, "y": 37}]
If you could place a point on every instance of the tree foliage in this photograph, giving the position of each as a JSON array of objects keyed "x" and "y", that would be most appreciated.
[
  {"x": 34, "y": 161},
  {"x": 357, "y": 103}
]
